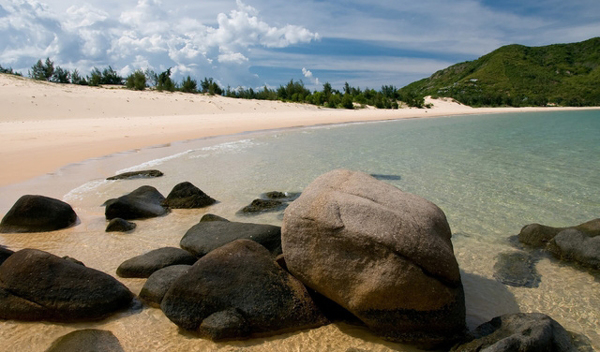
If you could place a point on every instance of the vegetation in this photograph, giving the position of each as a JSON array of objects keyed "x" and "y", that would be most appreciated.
[
  {"x": 136, "y": 80},
  {"x": 516, "y": 75},
  {"x": 9, "y": 71}
]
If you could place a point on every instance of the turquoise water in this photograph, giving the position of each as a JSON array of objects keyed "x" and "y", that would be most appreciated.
[{"x": 490, "y": 174}]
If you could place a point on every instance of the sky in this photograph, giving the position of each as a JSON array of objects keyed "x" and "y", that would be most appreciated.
[{"x": 253, "y": 43}]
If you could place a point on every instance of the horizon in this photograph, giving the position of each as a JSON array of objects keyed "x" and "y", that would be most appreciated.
[{"x": 254, "y": 43}]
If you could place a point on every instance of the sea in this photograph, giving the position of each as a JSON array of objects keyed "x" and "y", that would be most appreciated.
[{"x": 490, "y": 174}]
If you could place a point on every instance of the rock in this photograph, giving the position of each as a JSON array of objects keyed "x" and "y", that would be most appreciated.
[
  {"x": 383, "y": 177},
  {"x": 146, "y": 264},
  {"x": 282, "y": 196},
  {"x": 206, "y": 236},
  {"x": 38, "y": 214},
  {"x": 36, "y": 285},
  {"x": 88, "y": 340},
  {"x": 517, "y": 269},
  {"x": 212, "y": 217},
  {"x": 521, "y": 332},
  {"x": 73, "y": 260},
  {"x": 577, "y": 246},
  {"x": 144, "y": 202},
  {"x": 4, "y": 254},
  {"x": 262, "y": 206},
  {"x": 187, "y": 196},
  {"x": 539, "y": 235},
  {"x": 243, "y": 292},
  {"x": 579, "y": 243},
  {"x": 384, "y": 255},
  {"x": 120, "y": 225},
  {"x": 136, "y": 175},
  {"x": 159, "y": 283}
]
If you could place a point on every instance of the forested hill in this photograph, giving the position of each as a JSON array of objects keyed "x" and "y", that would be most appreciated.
[{"x": 516, "y": 75}]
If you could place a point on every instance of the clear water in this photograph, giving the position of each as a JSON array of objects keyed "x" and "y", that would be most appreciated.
[{"x": 491, "y": 174}]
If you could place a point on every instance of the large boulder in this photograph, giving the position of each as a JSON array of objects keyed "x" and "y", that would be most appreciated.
[
  {"x": 35, "y": 285},
  {"x": 187, "y": 196},
  {"x": 382, "y": 254},
  {"x": 87, "y": 340},
  {"x": 38, "y": 214},
  {"x": 159, "y": 283},
  {"x": 145, "y": 202},
  {"x": 579, "y": 243},
  {"x": 145, "y": 264},
  {"x": 521, "y": 332},
  {"x": 208, "y": 235},
  {"x": 237, "y": 291},
  {"x": 4, "y": 254}
]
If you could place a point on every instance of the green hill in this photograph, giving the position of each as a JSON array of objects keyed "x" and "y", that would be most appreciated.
[{"x": 516, "y": 75}]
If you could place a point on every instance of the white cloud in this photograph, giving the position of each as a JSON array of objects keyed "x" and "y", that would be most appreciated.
[{"x": 308, "y": 74}]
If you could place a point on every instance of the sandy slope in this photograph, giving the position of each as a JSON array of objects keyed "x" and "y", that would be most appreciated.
[{"x": 44, "y": 126}]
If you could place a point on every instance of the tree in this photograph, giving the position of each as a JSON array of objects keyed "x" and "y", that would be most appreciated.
[
  {"x": 110, "y": 76},
  {"x": 95, "y": 77},
  {"x": 210, "y": 86},
  {"x": 76, "y": 78},
  {"x": 189, "y": 85},
  {"x": 42, "y": 71},
  {"x": 151, "y": 77},
  {"x": 347, "y": 102},
  {"x": 61, "y": 76},
  {"x": 164, "y": 82},
  {"x": 136, "y": 80}
]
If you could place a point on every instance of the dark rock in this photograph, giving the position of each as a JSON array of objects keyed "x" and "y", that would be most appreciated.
[
  {"x": 159, "y": 283},
  {"x": 136, "y": 175},
  {"x": 282, "y": 196},
  {"x": 36, "y": 285},
  {"x": 577, "y": 246},
  {"x": 187, "y": 196},
  {"x": 212, "y": 217},
  {"x": 206, "y": 236},
  {"x": 146, "y": 264},
  {"x": 517, "y": 269},
  {"x": 144, "y": 202},
  {"x": 120, "y": 225},
  {"x": 521, "y": 332},
  {"x": 383, "y": 177},
  {"x": 241, "y": 280},
  {"x": 88, "y": 340},
  {"x": 4, "y": 254},
  {"x": 262, "y": 205},
  {"x": 537, "y": 235},
  {"x": 73, "y": 260},
  {"x": 38, "y": 214},
  {"x": 384, "y": 255}
]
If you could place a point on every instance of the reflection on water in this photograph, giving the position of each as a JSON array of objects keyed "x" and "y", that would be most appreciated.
[{"x": 490, "y": 174}]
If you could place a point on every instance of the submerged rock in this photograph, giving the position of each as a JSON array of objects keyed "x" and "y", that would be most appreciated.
[
  {"x": 88, "y": 340},
  {"x": 35, "y": 285},
  {"x": 37, "y": 214},
  {"x": 522, "y": 332},
  {"x": 269, "y": 202},
  {"x": 206, "y": 236},
  {"x": 187, "y": 196},
  {"x": 159, "y": 283},
  {"x": 146, "y": 264},
  {"x": 382, "y": 254},
  {"x": 136, "y": 175},
  {"x": 145, "y": 202},
  {"x": 517, "y": 269},
  {"x": 120, "y": 225},
  {"x": 243, "y": 293},
  {"x": 212, "y": 217}
]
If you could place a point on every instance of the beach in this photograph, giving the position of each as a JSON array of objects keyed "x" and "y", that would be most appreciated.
[{"x": 45, "y": 126}]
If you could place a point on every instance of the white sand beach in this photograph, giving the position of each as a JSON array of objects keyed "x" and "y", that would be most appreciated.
[{"x": 44, "y": 126}]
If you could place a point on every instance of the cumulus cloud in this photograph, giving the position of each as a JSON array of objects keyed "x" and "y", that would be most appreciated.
[
  {"x": 308, "y": 74},
  {"x": 147, "y": 33}
]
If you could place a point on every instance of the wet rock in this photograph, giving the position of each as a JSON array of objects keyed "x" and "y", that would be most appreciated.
[
  {"x": 384, "y": 255},
  {"x": 212, "y": 217},
  {"x": 537, "y": 235},
  {"x": 517, "y": 269},
  {"x": 383, "y": 177},
  {"x": 38, "y": 214},
  {"x": 35, "y": 285},
  {"x": 282, "y": 196},
  {"x": 136, "y": 175},
  {"x": 120, "y": 225},
  {"x": 159, "y": 283},
  {"x": 522, "y": 332},
  {"x": 145, "y": 202},
  {"x": 146, "y": 264},
  {"x": 187, "y": 196},
  {"x": 73, "y": 260},
  {"x": 262, "y": 206},
  {"x": 576, "y": 246},
  {"x": 206, "y": 236},
  {"x": 88, "y": 340},
  {"x": 4, "y": 254},
  {"x": 243, "y": 292}
]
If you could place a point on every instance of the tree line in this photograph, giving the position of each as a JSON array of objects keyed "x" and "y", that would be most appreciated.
[{"x": 388, "y": 97}]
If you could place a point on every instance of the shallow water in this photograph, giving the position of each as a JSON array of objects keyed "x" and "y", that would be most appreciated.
[{"x": 491, "y": 174}]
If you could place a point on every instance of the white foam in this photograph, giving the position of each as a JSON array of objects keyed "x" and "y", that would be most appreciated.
[{"x": 153, "y": 163}]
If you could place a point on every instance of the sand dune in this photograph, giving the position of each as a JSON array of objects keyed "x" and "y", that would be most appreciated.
[{"x": 44, "y": 126}]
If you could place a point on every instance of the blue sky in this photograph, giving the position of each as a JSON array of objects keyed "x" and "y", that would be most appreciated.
[{"x": 367, "y": 43}]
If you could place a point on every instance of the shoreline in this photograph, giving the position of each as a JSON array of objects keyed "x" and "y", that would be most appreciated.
[{"x": 49, "y": 126}]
